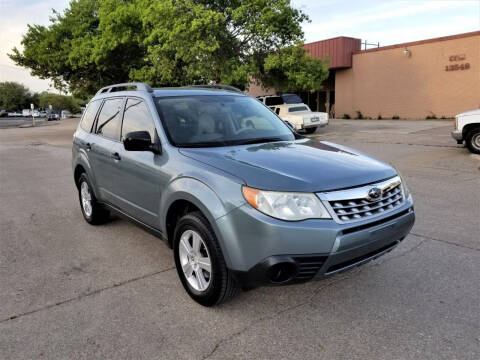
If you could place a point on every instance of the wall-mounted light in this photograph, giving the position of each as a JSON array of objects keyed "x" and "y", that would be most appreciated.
[{"x": 406, "y": 52}]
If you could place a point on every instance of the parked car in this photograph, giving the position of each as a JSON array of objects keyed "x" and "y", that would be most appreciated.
[
  {"x": 241, "y": 198},
  {"x": 26, "y": 112},
  {"x": 43, "y": 114},
  {"x": 53, "y": 116},
  {"x": 301, "y": 117},
  {"x": 3, "y": 113},
  {"x": 467, "y": 129},
  {"x": 272, "y": 100},
  {"x": 291, "y": 99},
  {"x": 15, "y": 114}
]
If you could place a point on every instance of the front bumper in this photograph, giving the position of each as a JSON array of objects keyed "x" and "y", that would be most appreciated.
[
  {"x": 278, "y": 252},
  {"x": 457, "y": 135}
]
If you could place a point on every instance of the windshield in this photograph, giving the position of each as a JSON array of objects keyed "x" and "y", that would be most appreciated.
[
  {"x": 219, "y": 120},
  {"x": 298, "y": 108}
]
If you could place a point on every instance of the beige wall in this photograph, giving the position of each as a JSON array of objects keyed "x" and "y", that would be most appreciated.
[
  {"x": 257, "y": 90},
  {"x": 389, "y": 83}
]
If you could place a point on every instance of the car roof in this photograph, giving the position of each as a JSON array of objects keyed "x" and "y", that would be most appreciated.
[
  {"x": 183, "y": 91},
  {"x": 168, "y": 92}
]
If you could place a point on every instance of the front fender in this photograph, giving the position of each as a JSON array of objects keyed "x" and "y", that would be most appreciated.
[{"x": 203, "y": 197}]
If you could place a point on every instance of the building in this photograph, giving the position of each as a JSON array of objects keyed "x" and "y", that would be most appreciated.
[{"x": 436, "y": 77}]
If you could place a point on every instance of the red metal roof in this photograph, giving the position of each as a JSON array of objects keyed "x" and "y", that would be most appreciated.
[{"x": 339, "y": 50}]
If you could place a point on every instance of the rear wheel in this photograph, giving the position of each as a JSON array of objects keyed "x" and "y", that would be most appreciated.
[
  {"x": 473, "y": 141},
  {"x": 200, "y": 262},
  {"x": 92, "y": 211},
  {"x": 310, "y": 130}
]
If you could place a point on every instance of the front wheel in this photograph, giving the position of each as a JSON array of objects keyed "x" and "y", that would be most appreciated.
[
  {"x": 200, "y": 263},
  {"x": 310, "y": 130},
  {"x": 473, "y": 141}
]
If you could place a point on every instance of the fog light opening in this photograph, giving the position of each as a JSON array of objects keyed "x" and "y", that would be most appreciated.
[{"x": 282, "y": 272}]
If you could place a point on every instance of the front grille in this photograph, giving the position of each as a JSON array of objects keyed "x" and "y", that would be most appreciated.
[
  {"x": 308, "y": 266},
  {"x": 356, "y": 204}
]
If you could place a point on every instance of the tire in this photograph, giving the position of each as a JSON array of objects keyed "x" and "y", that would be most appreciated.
[
  {"x": 93, "y": 213},
  {"x": 473, "y": 141},
  {"x": 206, "y": 288},
  {"x": 310, "y": 130}
]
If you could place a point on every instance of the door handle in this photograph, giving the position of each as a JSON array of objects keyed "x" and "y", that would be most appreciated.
[
  {"x": 88, "y": 146},
  {"x": 116, "y": 156}
]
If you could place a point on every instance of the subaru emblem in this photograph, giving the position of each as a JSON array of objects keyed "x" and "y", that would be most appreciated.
[{"x": 374, "y": 193}]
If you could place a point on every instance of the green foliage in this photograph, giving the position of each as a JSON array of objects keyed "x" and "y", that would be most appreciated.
[
  {"x": 395, "y": 117},
  {"x": 346, "y": 116},
  {"x": 431, "y": 117},
  {"x": 359, "y": 115},
  {"x": 291, "y": 68},
  {"x": 15, "y": 96},
  {"x": 379, "y": 117},
  {"x": 58, "y": 102},
  {"x": 170, "y": 42}
]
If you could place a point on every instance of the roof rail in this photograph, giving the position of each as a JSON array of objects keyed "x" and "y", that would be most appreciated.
[
  {"x": 125, "y": 86},
  {"x": 217, "y": 86}
]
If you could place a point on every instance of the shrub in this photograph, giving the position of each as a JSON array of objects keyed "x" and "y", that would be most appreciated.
[
  {"x": 431, "y": 117},
  {"x": 346, "y": 116},
  {"x": 379, "y": 117},
  {"x": 395, "y": 117},
  {"x": 359, "y": 115}
]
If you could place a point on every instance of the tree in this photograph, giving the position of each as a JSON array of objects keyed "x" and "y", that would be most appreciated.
[
  {"x": 58, "y": 102},
  {"x": 292, "y": 69},
  {"x": 15, "y": 96},
  {"x": 163, "y": 42}
]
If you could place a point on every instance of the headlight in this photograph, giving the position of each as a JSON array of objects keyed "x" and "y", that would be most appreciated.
[
  {"x": 406, "y": 191},
  {"x": 290, "y": 206}
]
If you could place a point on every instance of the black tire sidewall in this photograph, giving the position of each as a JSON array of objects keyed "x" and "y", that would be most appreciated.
[
  {"x": 311, "y": 130},
  {"x": 469, "y": 141},
  {"x": 198, "y": 224}
]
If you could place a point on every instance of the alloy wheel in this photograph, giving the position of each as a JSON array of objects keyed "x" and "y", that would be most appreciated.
[
  {"x": 195, "y": 260},
  {"x": 86, "y": 198}
]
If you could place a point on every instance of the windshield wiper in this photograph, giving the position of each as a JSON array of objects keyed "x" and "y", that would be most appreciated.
[{"x": 259, "y": 140}]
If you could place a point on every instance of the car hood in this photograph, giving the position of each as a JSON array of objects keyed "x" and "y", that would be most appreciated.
[
  {"x": 471, "y": 112},
  {"x": 306, "y": 165}
]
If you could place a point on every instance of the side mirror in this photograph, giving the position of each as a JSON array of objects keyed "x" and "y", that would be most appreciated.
[
  {"x": 290, "y": 125},
  {"x": 138, "y": 141}
]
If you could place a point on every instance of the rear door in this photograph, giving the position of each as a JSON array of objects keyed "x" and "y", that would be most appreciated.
[
  {"x": 138, "y": 175},
  {"x": 106, "y": 135}
]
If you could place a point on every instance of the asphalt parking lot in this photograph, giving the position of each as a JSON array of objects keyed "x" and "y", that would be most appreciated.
[{"x": 72, "y": 291}]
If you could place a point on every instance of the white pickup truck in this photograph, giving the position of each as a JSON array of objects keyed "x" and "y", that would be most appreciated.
[
  {"x": 467, "y": 128},
  {"x": 301, "y": 117}
]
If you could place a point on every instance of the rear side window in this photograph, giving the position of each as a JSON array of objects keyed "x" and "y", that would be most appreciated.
[
  {"x": 298, "y": 108},
  {"x": 273, "y": 100},
  {"x": 137, "y": 118},
  {"x": 89, "y": 115},
  {"x": 108, "y": 123}
]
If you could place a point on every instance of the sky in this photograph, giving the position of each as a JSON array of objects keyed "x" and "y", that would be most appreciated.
[{"x": 378, "y": 21}]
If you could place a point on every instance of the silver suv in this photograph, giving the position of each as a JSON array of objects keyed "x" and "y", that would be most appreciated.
[{"x": 241, "y": 198}]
